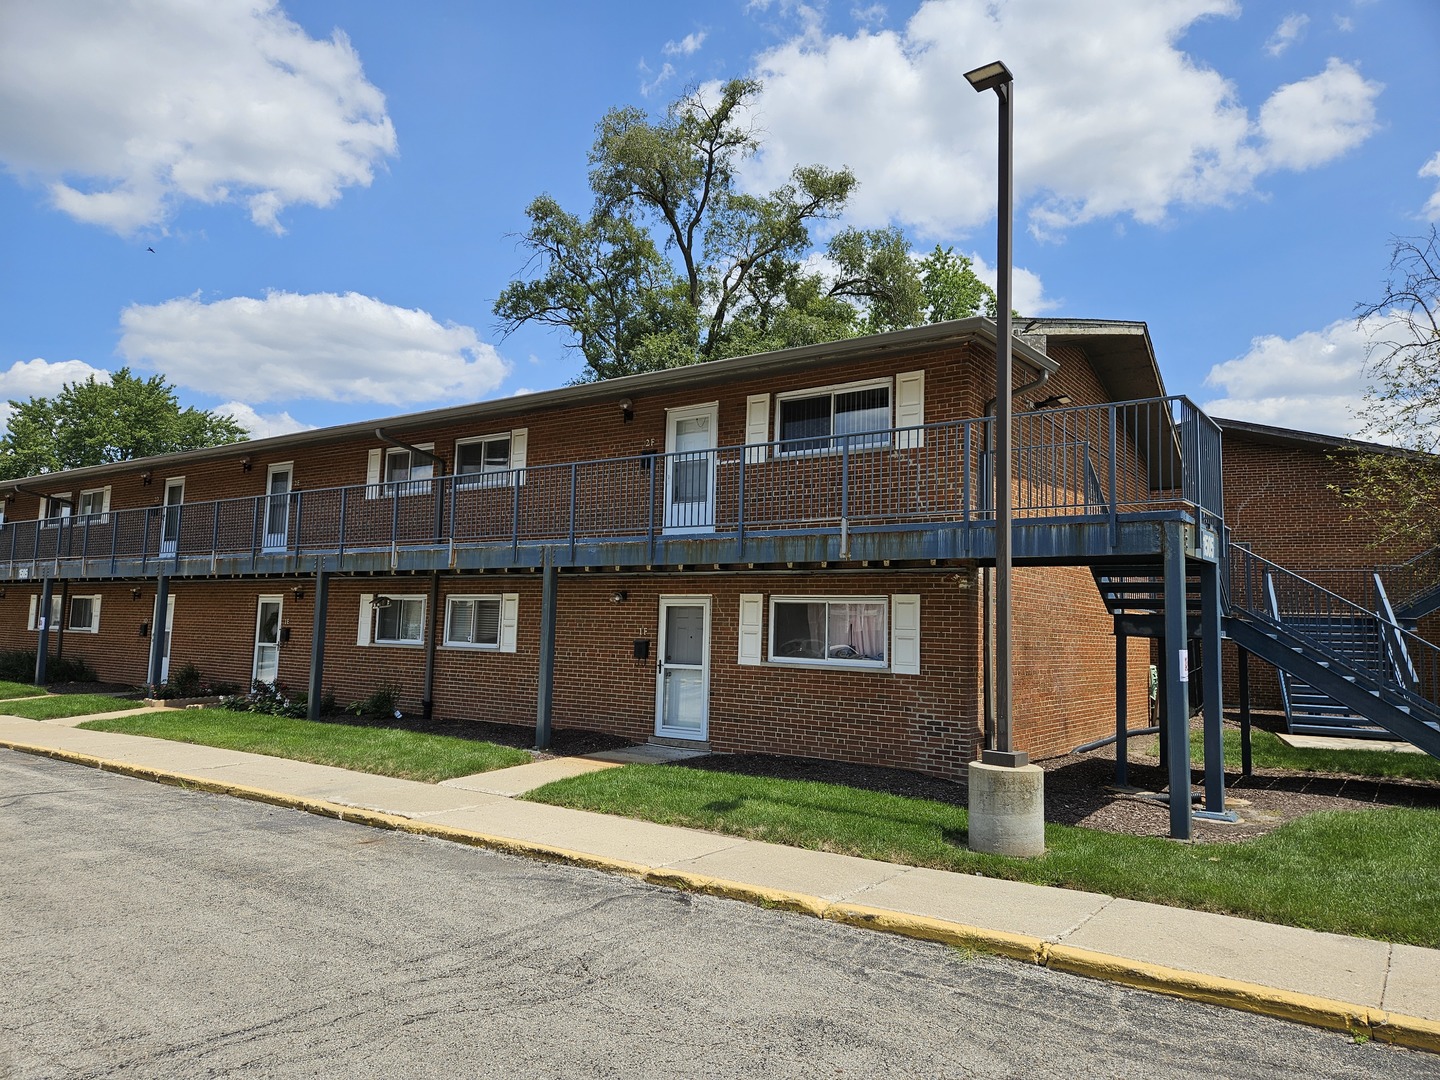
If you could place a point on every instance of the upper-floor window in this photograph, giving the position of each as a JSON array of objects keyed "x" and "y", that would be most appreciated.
[
  {"x": 55, "y": 508},
  {"x": 93, "y": 504},
  {"x": 816, "y": 420},
  {"x": 398, "y": 471},
  {"x": 483, "y": 462}
]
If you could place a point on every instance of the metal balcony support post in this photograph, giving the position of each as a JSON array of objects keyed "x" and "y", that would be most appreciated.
[
  {"x": 1176, "y": 663},
  {"x": 965, "y": 476},
  {"x": 42, "y": 623},
  {"x": 215, "y": 532},
  {"x": 145, "y": 542},
  {"x": 650, "y": 524},
  {"x": 299, "y": 521},
  {"x": 1122, "y": 711},
  {"x": 573, "y": 484},
  {"x": 515, "y": 519},
  {"x": 1214, "y": 702},
  {"x": 317, "y": 641},
  {"x": 1245, "y": 762},
  {"x": 340, "y": 538},
  {"x": 114, "y": 543},
  {"x": 545, "y": 688},
  {"x": 158, "y": 629}
]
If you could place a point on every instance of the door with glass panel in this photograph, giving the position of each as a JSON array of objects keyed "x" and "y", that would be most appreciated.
[
  {"x": 277, "y": 507},
  {"x": 170, "y": 521},
  {"x": 267, "y": 639},
  {"x": 682, "y": 676},
  {"x": 690, "y": 468}
]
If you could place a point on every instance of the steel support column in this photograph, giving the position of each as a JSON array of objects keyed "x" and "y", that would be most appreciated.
[
  {"x": 158, "y": 629},
  {"x": 42, "y": 623},
  {"x": 317, "y": 641},
  {"x": 1245, "y": 763},
  {"x": 1175, "y": 664},
  {"x": 1214, "y": 701},
  {"x": 545, "y": 690},
  {"x": 1122, "y": 711}
]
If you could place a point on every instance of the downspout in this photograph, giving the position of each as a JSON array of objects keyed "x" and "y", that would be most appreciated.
[{"x": 427, "y": 695}]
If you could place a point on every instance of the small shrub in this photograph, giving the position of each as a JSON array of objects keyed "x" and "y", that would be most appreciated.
[
  {"x": 185, "y": 683},
  {"x": 271, "y": 699},
  {"x": 384, "y": 701},
  {"x": 18, "y": 665}
]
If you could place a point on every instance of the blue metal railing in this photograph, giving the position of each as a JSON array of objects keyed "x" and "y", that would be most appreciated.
[{"x": 1081, "y": 463}]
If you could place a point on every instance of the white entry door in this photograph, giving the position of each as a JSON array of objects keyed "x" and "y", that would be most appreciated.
[
  {"x": 682, "y": 677},
  {"x": 277, "y": 507},
  {"x": 169, "y": 627},
  {"x": 690, "y": 468},
  {"x": 170, "y": 525},
  {"x": 267, "y": 639}
]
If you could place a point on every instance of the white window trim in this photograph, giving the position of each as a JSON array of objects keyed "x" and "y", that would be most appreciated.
[
  {"x": 55, "y": 611},
  {"x": 94, "y": 627},
  {"x": 377, "y": 487},
  {"x": 830, "y": 662},
  {"x": 508, "y": 477},
  {"x": 831, "y": 390},
  {"x": 66, "y": 508},
  {"x": 100, "y": 516},
  {"x": 374, "y": 622},
  {"x": 509, "y": 616}
]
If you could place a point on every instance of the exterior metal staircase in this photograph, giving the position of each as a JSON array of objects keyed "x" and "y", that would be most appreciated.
[
  {"x": 1414, "y": 586},
  {"x": 1344, "y": 670}
]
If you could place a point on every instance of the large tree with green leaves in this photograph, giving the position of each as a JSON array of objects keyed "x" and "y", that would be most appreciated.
[
  {"x": 675, "y": 264},
  {"x": 95, "y": 422},
  {"x": 1400, "y": 493}
]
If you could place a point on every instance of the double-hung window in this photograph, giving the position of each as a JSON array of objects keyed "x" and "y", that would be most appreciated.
[
  {"x": 84, "y": 614},
  {"x": 54, "y": 620},
  {"x": 483, "y": 462},
  {"x": 473, "y": 621},
  {"x": 399, "y": 620},
  {"x": 406, "y": 473},
  {"x": 840, "y": 631},
  {"x": 856, "y": 415},
  {"x": 93, "y": 505}
]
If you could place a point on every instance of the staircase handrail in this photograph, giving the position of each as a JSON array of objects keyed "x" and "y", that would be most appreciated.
[
  {"x": 1414, "y": 577},
  {"x": 1394, "y": 638},
  {"x": 1423, "y": 657}
]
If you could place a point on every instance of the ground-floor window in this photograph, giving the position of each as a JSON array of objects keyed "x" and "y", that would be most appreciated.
[
  {"x": 84, "y": 614},
  {"x": 847, "y": 632},
  {"x": 399, "y": 620},
  {"x": 473, "y": 621}
]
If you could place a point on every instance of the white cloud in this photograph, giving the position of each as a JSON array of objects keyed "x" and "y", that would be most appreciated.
[
  {"x": 322, "y": 346},
  {"x": 686, "y": 46},
  {"x": 1313, "y": 381},
  {"x": 1128, "y": 124},
  {"x": 1290, "y": 30},
  {"x": 261, "y": 426},
  {"x": 128, "y": 110},
  {"x": 40, "y": 378},
  {"x": 1029, "y": 292},
  {"x": 666, "y": 73},
  {"x": 1432, "y": 205}
]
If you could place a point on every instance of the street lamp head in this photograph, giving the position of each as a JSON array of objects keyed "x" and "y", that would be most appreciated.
[{"x": 989, "y": 77}]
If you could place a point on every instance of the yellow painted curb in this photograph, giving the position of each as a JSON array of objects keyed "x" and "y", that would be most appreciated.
[
  {"x": 1413, "y": 1032},
  {"x": 1002, "y": 943}
]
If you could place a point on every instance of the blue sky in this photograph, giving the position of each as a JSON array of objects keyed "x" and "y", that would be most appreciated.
[{"x": 332, "y": 189}]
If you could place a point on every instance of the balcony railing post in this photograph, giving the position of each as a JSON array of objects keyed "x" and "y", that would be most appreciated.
[
  {"x": 965, "y": 475},
  {"x": 740, "y": 505},
  {"x": 114, "y": 541},
  {"x": 574, "y": 474},
  {"x": 515, "y": 517},
  {"x": 254, "y": 529},
  {"x": 299, "y": 497},
  {"x": 145, "y": 541},
  {"x": 340, "y": 525},
  {"x": 215, "y": 532}
]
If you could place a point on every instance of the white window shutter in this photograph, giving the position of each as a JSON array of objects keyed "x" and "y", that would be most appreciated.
[
  {"x": 34, "y": 606},
  {"x": 757, "y": 426},
  {"x": 105, "y": 509},
  {"x": 372, "y": 474},
  {"x": 905, "y": 634},
  {"x": 509, "y": 620},
  {"x": 910, "y": 408},
  {"x": 519, "y": 438},
  {"x": 752, "y": 641},
  {"x": 421, "y": 467},
  {"x": 367, "y": 619},
  {"x": 95, "y": 613}
]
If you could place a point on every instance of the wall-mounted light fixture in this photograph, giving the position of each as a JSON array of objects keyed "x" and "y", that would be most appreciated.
[
  {"x": 1055, "y": 401},
  {"x": 619, "y": 596},
  {"x": 245, "y": 464},
  {"x": 134, "y": 594},
  {"x": 627, "y": 409},
  {"x": 380, "y": 602},
  {"x": 144, "y": 629},
  {"x": 298, "y": 592},
  {"x": 145, "y": 477}
]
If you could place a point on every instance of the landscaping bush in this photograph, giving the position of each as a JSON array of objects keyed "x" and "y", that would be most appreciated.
[
  {"x": 18, "y": 665},
  {"x": 384, "y": 701},
  {"x": 275, "y": 699}
]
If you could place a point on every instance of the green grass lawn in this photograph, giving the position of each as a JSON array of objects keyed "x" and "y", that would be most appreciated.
[
  {"x": 10, "y": 690},
  {"x": 386, "y": 751},
  {"x": 59, "y": 705},
  {"x": 1374, "y": 873},
  {"x": 1270, "y": 753}
]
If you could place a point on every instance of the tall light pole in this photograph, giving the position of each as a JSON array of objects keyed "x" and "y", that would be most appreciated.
[{"x": 996, "y": 76}]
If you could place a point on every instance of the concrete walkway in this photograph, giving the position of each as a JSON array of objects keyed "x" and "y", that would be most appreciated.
[{"x": 1370, "y": 988}]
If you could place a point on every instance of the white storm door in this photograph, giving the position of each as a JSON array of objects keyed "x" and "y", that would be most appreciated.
[
  {"x": 170, "y": 525},
  {"x": 277, "y": 508},
  {"x": 682, "y": 677},
  {"x": 169, "y": 628},
  {"x": 267, "y": 639},
  {"x": 690, "y": 468}
]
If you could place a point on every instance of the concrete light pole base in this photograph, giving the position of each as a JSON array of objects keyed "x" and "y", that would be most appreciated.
[{"x": 1007, "y": 809}]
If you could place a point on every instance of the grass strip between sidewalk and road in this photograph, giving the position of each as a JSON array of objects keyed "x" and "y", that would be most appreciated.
[
  {"x": 57, "y": 706},
  {"x": 1372, "y": 873},
  {"x": 1269, "y": 752},
  {"x": 385, "y": 751}
]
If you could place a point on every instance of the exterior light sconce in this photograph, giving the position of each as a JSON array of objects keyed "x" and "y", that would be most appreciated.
[
  {"x": 627, "y": 410},
  {"x": 245, "y": 464},
  {"x": 2, "y": 594},
  {"x": 134, "y": 594},
  {"x": 298, "y": 592},
  {"x": 1055, "y": 401},
  {"x": 380, "y": 602},
  {"x": 619, "y": 596},
  {"x": 144, "y": 629},
  {"x": 145, "y": 477}
]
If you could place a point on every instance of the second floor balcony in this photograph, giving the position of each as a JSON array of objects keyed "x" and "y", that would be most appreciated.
[{"x": 1089, "y": 472}]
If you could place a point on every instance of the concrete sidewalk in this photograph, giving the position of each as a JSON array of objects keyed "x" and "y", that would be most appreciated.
[{"x": 1370, "y": 988}]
